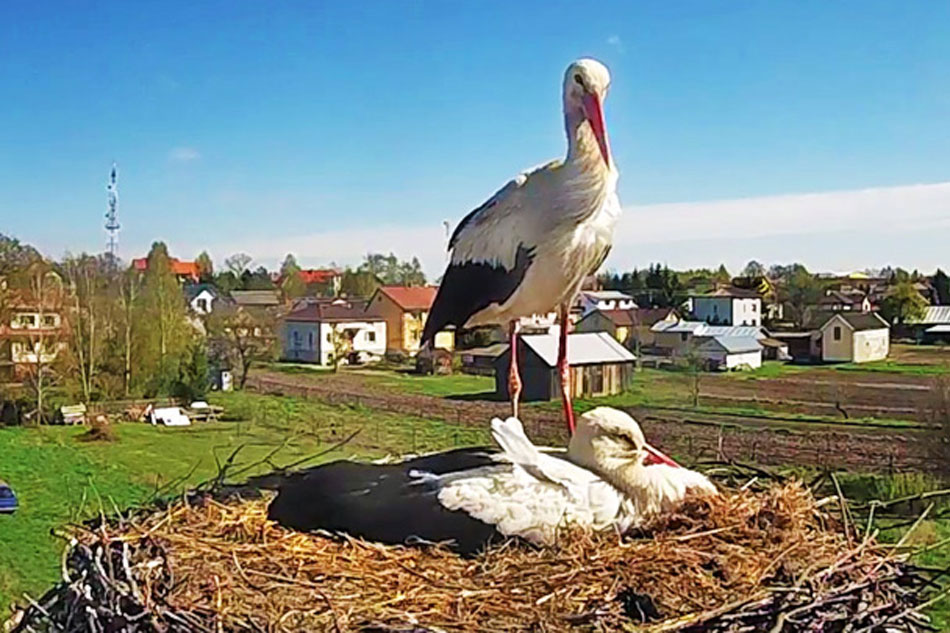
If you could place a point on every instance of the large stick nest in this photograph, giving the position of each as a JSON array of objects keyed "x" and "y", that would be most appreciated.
[{"x": 746, "y": 561}]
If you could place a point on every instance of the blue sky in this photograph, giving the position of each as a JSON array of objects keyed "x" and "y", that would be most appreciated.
[{"x": 331, "y": 129}]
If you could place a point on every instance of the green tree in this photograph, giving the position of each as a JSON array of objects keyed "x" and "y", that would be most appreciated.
[
  {"x": 941, "y": 284},
  {"x": 800, "y": 291},
  {"x": 358, "y": 283},
  {"x": 205, "y": 267},
  {"x": 162, "y": 307},
  {"x": 15, "y": 256},
  {"x": 391, "y": 271},
  {"x": 903, "y": 303},
  {"x": 291, "y": 283}
]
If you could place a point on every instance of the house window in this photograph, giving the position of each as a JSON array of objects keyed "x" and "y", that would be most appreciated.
[
  {"x": 683, "y": 336},
  {"x": 49, "y": 320},
  {"x": 27, "y": 320},
  {"x": 328, "y": 337},
  {"x": 755, "y": 307},
  {"x": 371, "y": 337},
  {"x": 202, "y": 305},
  {"x": 837, "y": 333},
  {"x": 310, "y": 339}
]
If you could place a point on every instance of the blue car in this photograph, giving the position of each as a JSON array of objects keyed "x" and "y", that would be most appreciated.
[{"x": 8, "y": 503}]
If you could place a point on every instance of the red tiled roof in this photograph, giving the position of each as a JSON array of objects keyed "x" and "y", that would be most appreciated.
[
  {"x": 319, "y": 275},
  {"x": 333, "y": 311},
  {"x": 411, "y": 297},
  {"x": 183, "y": 269}
]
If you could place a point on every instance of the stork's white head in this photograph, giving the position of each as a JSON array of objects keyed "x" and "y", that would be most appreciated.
[
  {"x": 609, "y": 438},
  {"x": 585, "y": 88},
  {"x": 605, "y": 439}
]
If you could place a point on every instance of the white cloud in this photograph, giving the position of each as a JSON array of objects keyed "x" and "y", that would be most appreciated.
[
  {"x": 880, "y": 210},
  {"x": 183, "y": 154},
  {"x": 904, "y": 225},
  {"x": 616, "y": 43}
]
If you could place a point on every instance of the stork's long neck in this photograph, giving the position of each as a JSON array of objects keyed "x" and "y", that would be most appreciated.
[{"x": 582, "y": 149}]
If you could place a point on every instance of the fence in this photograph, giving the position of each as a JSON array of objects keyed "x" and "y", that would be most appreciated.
[{"x": 697, "y": 437}]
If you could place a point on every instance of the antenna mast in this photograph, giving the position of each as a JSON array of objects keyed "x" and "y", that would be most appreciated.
[{"x": 112, "y": 215}]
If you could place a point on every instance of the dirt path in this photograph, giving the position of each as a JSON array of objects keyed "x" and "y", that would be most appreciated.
[{"x": 694, "y": 435}]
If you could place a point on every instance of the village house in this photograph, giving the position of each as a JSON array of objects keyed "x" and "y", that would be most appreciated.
[
  {"x": 29, "y": 337},
  {"x": 185, "y": 271},
  {"x": 679, "y": 338},
  {"x": 256, "y": 300},
  {"x": 202, "y": 298},
  {"x": 599, "y": 365},
  {"x": 317, "y": 332},
  {"x": 590, "y": 300},
  {"x": 852, "y": 337},
  {"x": 844, "y": 301},
  {"x": 730, "y": 352},
  {"x": 934, "y": 327},
  {"x": 728, "y": 306},
  {"x": 405, "y": 309},
  {"x": 629, "y": 327}
]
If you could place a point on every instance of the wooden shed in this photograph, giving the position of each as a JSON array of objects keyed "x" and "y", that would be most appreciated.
[{"x": 600, "y": 366}]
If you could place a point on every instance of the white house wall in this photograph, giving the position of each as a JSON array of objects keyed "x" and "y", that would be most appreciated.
[
  {"x": 744, "y": 359},
  {"x": 746, "y": 311},
  {"x": 370, "y": 338},
  {"x": 840, "y": 351},
  {"x": 871, "y": 345}
]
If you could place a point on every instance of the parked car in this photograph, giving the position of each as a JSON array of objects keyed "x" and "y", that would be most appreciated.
[{"x": 8, "y": 502}]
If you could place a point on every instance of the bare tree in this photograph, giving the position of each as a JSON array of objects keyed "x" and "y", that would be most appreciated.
[
  {"x": 44, "y": 328},
  {"x": 242, "y": 339},
  {"x": 130, "y": 288},
  {"x": 88, "y": 315}
]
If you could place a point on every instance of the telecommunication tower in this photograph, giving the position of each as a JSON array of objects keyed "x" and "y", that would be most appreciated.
[{"x": 112, "y": 215}]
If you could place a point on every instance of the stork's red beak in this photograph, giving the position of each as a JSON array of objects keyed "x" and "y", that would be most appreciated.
[
  {"x": 656, "y": 457},
  {"x": 595, "y": 116}
]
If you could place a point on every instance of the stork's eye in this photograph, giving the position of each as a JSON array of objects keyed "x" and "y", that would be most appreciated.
[{"x": 579, "y": 80}]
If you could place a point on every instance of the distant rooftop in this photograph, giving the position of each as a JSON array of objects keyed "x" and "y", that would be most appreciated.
[
  {"x": 731, "y": 291},
  {"x": 256, "y": 297},
  {"x": 411, "y": 297},
  {"x": 934, "y": 315},
  {"x": 583, "y": 348},
  {"x": 333, "y": 311},
  {"x": 732, "y": 344}
]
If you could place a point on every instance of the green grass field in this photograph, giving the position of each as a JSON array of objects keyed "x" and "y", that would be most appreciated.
[{"x": 59, "y": 478}]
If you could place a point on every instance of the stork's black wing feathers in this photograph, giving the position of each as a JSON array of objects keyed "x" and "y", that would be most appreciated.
[
  {"x": 382, "y": 502},
  {"x": 467, "y": 288}
]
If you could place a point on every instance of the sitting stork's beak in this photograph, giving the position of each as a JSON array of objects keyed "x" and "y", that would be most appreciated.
[{"x": 654, "y": 456}]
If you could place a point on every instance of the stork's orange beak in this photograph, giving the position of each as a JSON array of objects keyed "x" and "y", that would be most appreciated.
[
  {"x": 595, "y": 116},
  {"x": 656, "y": 457}
]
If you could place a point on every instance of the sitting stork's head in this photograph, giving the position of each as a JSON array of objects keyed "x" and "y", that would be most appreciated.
[{"x": 608, "y": 441}]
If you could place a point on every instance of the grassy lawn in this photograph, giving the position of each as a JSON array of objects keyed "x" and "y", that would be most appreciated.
[
  {"x": 61, "y": 479},
  {"x": 895, "y": 367}
]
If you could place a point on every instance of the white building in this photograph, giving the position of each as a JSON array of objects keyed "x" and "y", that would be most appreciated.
[
  {"x": 315, "y": 332},
  {"x": 730, "y": 352},
  {"x": 677, "y": 337},
  {"x": 202, "y": 298},
  {"x": 590, "y": 300},
  {"x": 853, "y": 337},
  {"x": 728, "y": 306}
]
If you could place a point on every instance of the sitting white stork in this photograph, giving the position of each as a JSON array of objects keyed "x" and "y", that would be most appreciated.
[
  {"x": 468, "y": 498},
  {"x": 528, "y": 248}
]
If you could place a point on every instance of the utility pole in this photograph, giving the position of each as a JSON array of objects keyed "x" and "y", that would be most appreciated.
[{"x": 112, "y": 215}]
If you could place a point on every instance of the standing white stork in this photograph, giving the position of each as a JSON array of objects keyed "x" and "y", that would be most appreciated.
[
  {"x": 528, "y": 248},
  {"x": 607, "y": 479}
]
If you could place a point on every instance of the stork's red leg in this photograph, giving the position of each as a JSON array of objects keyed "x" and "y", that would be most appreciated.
[
  {"x": 564, "y": 369},
  {"x": 514, "y": 379}
]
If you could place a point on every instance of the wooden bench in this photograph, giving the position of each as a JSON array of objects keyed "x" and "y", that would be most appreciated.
[{"x": 73, "y": 413}]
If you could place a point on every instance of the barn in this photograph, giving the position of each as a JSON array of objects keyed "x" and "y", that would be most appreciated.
[
  {"x": 600, "y": 366},
  {"x": 731, "y": 352}
]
